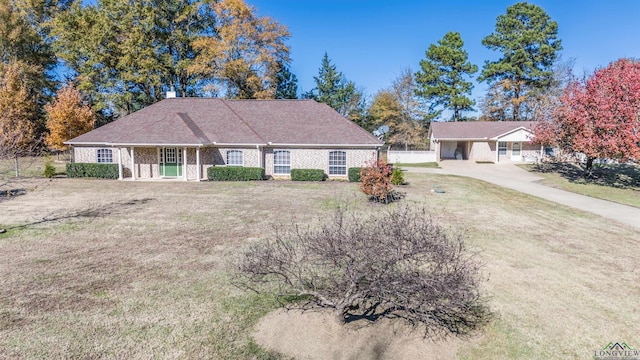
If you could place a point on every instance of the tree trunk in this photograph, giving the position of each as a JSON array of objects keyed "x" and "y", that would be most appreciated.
[
  {"x": 17, "y": 167},
  {"x": 341, "y": 315},
  {"x": 588, "y": 169},
  {"x": 516, "y": 101}
]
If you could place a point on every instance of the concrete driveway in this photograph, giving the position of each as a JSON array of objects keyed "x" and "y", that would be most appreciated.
[{"x": 513, "y": 177}]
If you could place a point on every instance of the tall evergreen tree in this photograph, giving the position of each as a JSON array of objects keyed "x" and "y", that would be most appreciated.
[
  {"x": 328, "y": 83},
  {"x": 287, "y": 83},
  {"x": 441, "y": 80},
  {"x": 333, "y": 89},
  {"x": 528, "y": 40}
]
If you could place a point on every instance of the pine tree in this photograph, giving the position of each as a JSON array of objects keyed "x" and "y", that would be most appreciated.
[
  {"x": 333, "y": 89},
  {"x": 527, "y": 38},
  {"x": 441, "y": 80},
  {"x": 287, "y": 83}
]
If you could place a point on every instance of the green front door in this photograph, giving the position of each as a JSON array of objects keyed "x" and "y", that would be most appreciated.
[{"x": 170, "y": 162}]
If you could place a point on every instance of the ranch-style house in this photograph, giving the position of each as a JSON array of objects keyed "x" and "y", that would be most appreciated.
[
  {"x": 485, "y": 141},
  {"x": 179, "y": 138}
]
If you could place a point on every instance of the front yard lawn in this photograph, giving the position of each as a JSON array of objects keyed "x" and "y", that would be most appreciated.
[
  {"x": 141, "y": 270},
  {"x": 617, "y": 183},
  {"x": 433, "y": 165}
]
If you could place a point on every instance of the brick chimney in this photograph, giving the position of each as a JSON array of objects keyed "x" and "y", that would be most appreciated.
[{"x": 171, "y": 93}]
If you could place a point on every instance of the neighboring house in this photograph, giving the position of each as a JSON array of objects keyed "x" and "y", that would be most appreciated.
[
  {"x": 182, "y": 137},
  {"x": 490, "y": 141}
]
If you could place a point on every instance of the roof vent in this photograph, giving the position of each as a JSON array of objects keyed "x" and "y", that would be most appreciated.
[{"x": 171, "y": 93}]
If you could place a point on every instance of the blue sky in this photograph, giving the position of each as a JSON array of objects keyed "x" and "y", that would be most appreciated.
[{"x": 371, "y": 42}]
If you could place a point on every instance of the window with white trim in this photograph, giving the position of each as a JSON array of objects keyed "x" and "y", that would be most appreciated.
[
  {"x": 337, "y": 163},
  {"x": 170, "y": 155},
  {"x": 234, "y": 158},
  {"x": 104, "y": 156},
  {"x": 516, "y": 147},
  {"x": 281, "y": 162},
  {"x": 502, "y": 148}
]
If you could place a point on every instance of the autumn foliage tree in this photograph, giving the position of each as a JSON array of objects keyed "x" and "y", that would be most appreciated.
[
  {"x": 244, "y": 55},
  {"x": 18, "y": 114},
  {"x": 598, "y": 117},
  {"x": 67, "y": 117},
  {"x": 402, "y": 110}
]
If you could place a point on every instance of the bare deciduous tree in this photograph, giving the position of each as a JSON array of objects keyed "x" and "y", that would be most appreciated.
[{"x": 398, "y": 264}]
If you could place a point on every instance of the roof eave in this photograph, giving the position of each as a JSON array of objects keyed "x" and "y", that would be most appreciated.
[
  {"x": 87, "y": 143},
  {"x": 106, "y": 144},
  {"x": 271, "y": 144},
  {"x": 462, "y": 139},
  {"x": 512, "y": 131}
]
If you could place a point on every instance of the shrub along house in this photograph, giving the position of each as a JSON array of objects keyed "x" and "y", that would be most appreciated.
[
  {"x": 182, "y": 137},
  {"x": 484, "y": 141}
]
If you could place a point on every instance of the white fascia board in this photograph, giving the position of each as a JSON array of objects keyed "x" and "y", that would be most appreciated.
[
  {"x": 131, "y": 144},
  {"x": 462, "y": 139},
  {"x": 325, "y": 145},
  {"x": 512, "y": 131},
  {"x": 236, "y": 144}
]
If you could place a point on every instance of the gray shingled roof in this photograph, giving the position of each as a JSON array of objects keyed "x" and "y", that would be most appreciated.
[
  {"x": 475, "y": 130},
  {"x": 208, "y": 121}
]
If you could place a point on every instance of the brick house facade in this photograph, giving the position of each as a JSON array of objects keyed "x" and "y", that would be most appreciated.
[{"x": 183, "y": 137}]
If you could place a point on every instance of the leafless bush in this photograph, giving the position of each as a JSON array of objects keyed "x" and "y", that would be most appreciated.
[{"x": 397, "y": 264}]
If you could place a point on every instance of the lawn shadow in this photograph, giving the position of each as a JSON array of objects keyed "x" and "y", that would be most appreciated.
[
  {"x": 11, "y": 193},
  {"x": 88, "y": 213},
  {"x": 622, "y": 176}
]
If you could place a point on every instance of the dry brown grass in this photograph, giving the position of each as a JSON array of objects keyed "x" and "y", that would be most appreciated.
[{"x": 141, "y": 269}]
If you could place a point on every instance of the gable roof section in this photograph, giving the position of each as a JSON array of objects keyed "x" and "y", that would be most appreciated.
[
  {"x": 477, "y": 130},
  {"x": 208, "y": 121}
]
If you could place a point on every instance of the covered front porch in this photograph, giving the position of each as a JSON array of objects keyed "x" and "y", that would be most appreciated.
[{"x": 163, "y": 162}]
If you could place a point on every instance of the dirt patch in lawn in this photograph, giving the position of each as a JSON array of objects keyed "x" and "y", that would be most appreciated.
[{"x": 316, "y": 335}]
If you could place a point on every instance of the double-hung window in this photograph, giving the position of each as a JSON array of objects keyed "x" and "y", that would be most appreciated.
[
  {"x": 104, "y": 156},
  {"x": 337, "y": 163},
  {"x": 234, "y": 158},
  {"x": 502, "y": 148},
  {"x": 281, "y": 162}
]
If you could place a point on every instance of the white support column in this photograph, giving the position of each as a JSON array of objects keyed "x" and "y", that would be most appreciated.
[
  {"x": 119, "y": 163},
  {"x": 497, "y": 151},
  {"x": 198, "y": 170},
  {"x": 184, "y": 163},
  {"x": 133, "y": 164},
  {"x": 260, "y": 157}
]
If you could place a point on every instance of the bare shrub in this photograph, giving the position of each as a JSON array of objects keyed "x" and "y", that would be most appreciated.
[{"x": 398, "y": 264}]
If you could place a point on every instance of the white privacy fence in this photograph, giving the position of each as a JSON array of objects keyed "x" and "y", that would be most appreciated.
[{"x": 410, "y": 157}]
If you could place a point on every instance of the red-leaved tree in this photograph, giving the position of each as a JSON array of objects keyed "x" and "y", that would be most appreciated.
[
  {"x": 375, "y": 181},
  {"x": 599, "y": 117}
]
